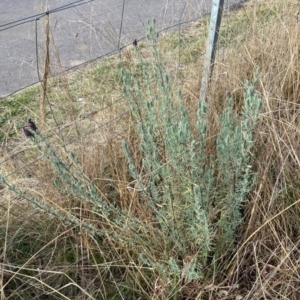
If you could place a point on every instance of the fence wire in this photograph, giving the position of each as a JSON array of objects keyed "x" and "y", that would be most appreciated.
[{"x": 91, "y": 34}]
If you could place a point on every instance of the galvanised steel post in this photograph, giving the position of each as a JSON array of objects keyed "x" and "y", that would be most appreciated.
[{"x": 213, "y": 34}]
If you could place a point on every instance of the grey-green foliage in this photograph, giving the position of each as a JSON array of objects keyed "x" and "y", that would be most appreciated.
[
  {"x": 181, "y": 185},
  {"x": 235, "y": 178},
  {"x": 116, "y": 223}
]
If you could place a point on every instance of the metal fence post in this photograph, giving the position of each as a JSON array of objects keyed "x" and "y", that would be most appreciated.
[{"x": 213, "y": 34}]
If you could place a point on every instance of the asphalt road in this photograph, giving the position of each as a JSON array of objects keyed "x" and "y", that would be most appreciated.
[{"x": 81, "y": 31}]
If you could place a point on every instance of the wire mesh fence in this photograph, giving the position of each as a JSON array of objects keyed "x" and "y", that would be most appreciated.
[{"x": 82, "y": 31}]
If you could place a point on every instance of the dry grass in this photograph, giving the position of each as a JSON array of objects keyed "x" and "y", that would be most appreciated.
[
  {"x": 265, "y": 264},
  {"x": 60, "y": 262}
]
